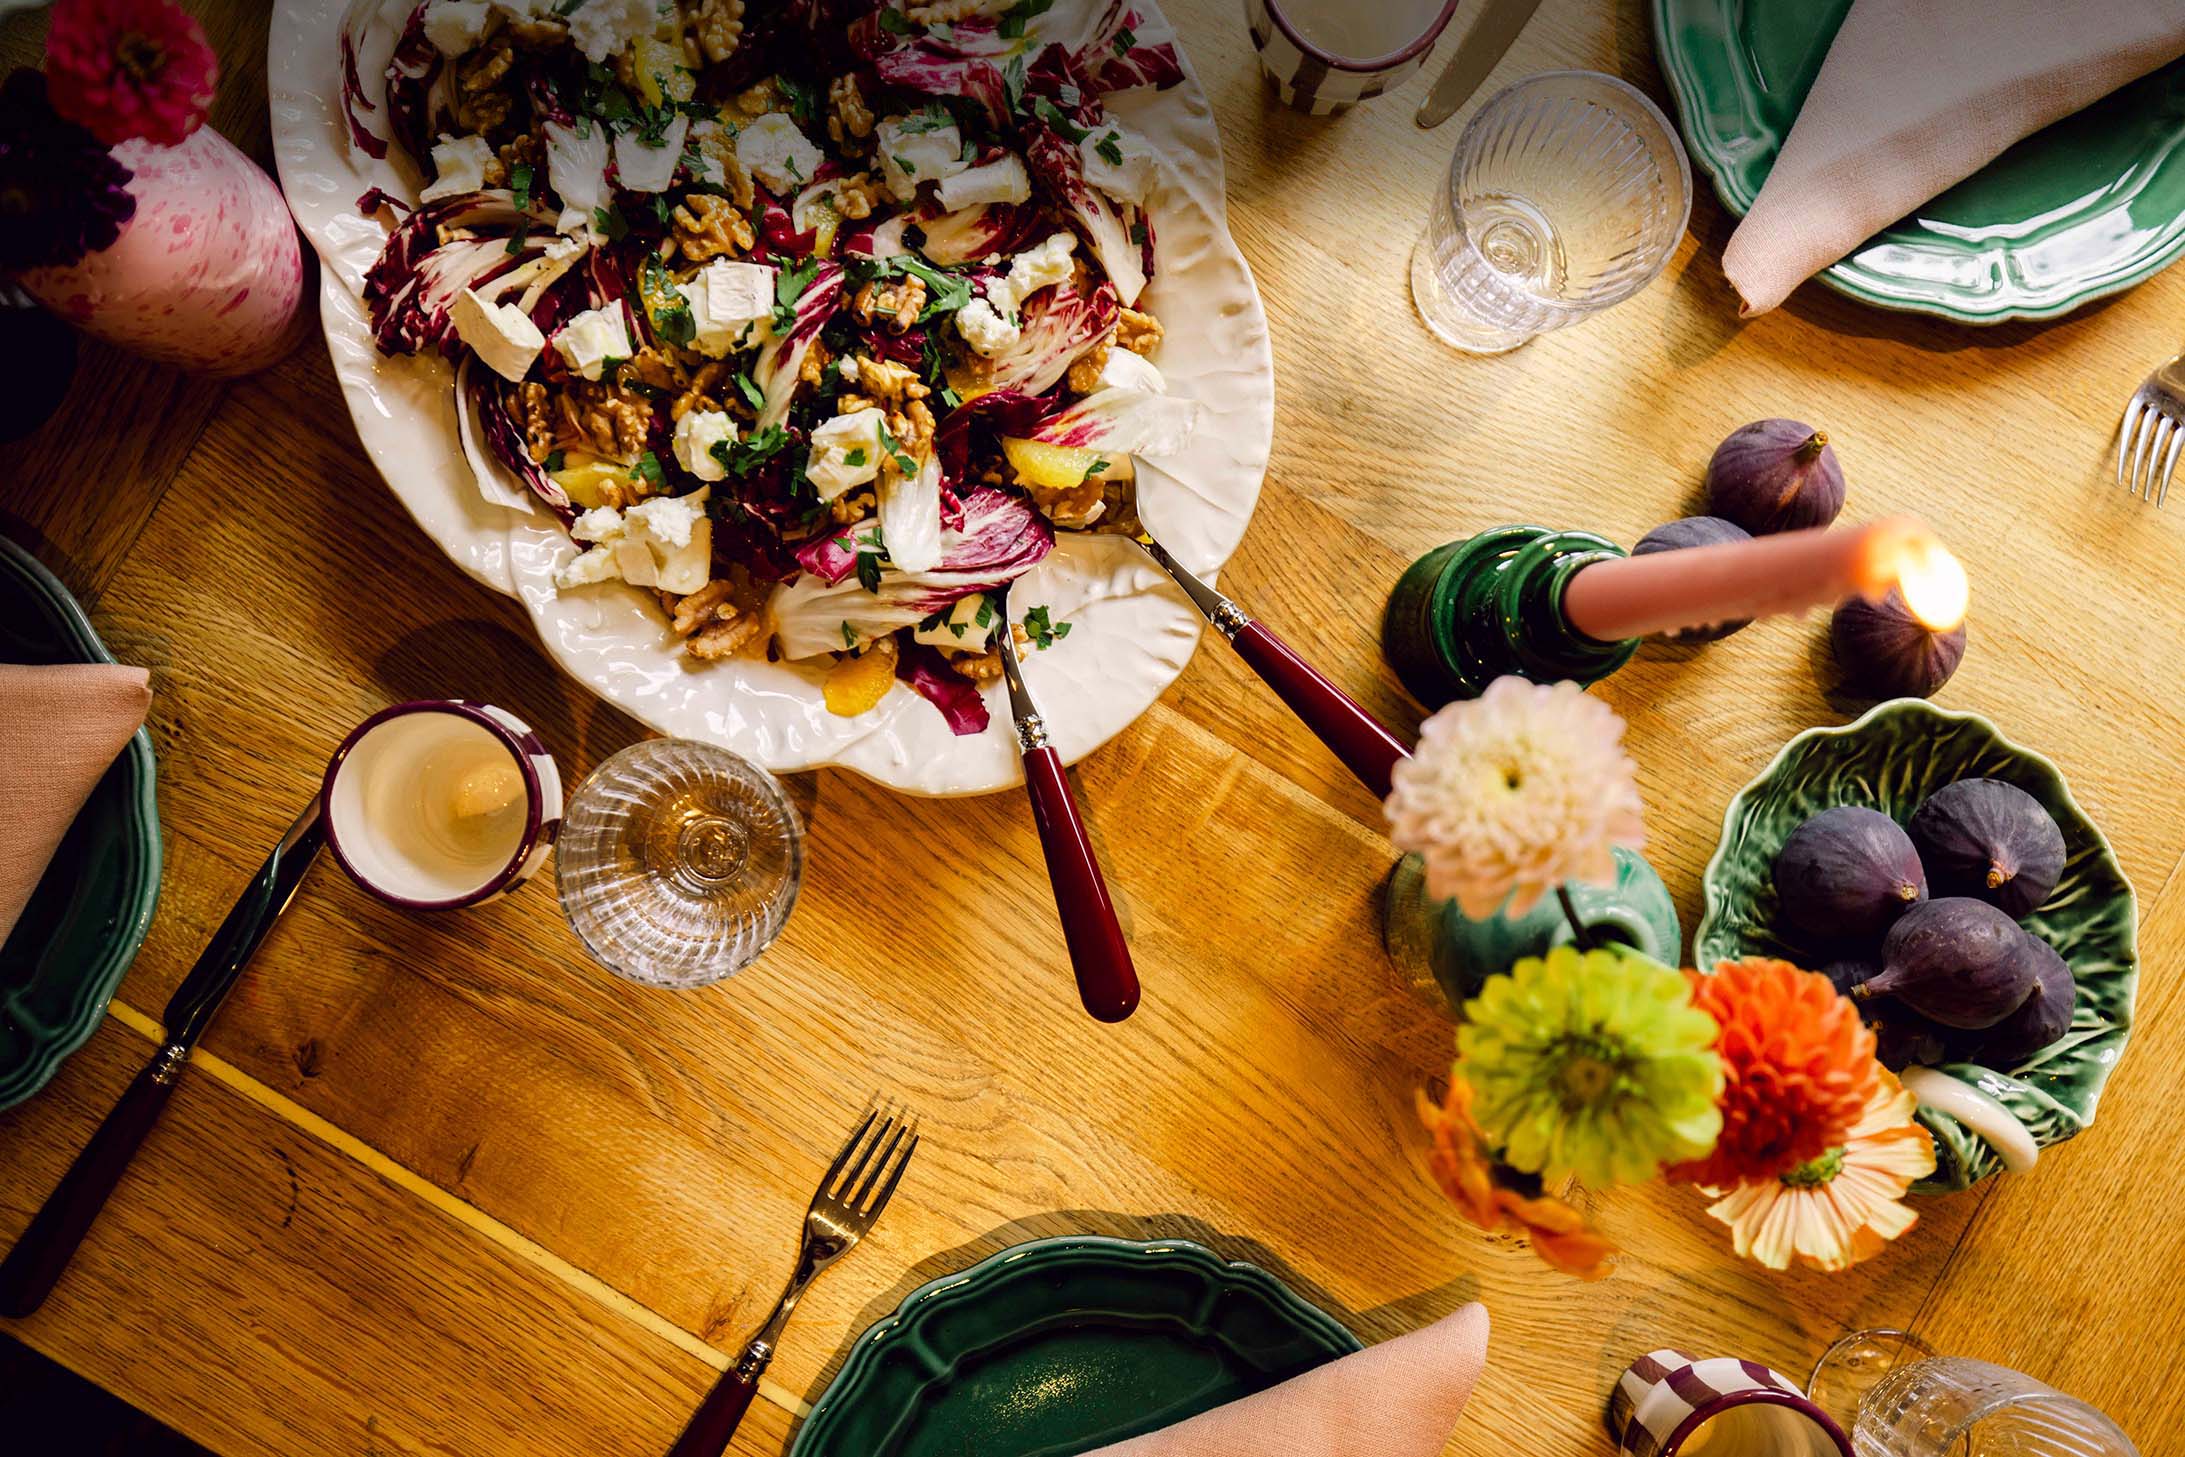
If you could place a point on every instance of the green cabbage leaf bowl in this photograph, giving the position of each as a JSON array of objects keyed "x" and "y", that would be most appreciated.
[{"x": 1891, "y": 760}]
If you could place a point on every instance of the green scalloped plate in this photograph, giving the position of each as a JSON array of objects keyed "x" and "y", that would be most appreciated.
[
  {"x": 1063, "y": 1345},
  {"x": 2091, "y": 206},
  {"x": 91, "y": 909},
  {"x": 1891, "y": 760}
]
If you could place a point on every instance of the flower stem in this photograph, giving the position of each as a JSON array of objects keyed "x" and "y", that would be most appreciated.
[{"x": 1580, "y": 934}]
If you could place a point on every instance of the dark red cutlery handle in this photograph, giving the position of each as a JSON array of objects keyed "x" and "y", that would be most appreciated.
[
  {"x": 717, "y": 1417},
  {"x": 1360, "y": 740},
  {"x": 1106, "y": 979},
  {"x": 35, "y": 1265}
]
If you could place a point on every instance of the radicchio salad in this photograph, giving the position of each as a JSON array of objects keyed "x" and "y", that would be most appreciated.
[{"x": 817, "y": 318}]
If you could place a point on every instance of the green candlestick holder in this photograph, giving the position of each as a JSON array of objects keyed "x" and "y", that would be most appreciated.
[{"x": 1491, "y": 605}]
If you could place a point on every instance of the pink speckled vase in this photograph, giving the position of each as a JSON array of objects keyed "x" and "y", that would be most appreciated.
[{"x": 207, "y": 276}]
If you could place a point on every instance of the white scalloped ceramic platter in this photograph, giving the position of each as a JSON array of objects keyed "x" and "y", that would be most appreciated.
[{"x": 1132, "y": 632}]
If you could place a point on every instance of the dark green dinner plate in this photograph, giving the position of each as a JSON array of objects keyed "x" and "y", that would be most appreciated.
[
  {"x": 1891, "y": 760},
  {"x": 1063, "y": 1345},
  {"x": 2087, "y": 208},
  {"x": 89, "y": 914}
]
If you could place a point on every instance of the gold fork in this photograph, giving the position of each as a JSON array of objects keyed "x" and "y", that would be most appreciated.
[{"x": 842, "y": 1213}]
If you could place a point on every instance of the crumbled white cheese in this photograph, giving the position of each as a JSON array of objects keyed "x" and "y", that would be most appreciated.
[
  {"x": 987, "y": 329},
  {"x": 846, "y": 452},
  {"x": 781, "y": 157},
  {"x": 642, "y": 167},
  {"x": 1001, "y": 180},
  {"x": 1119, "y": 164},
  {"x": 967, "y": 627},
  {"x": 500, "y": 334},
  {"x": 666, "y": 543},
  {"x": 922, "y": 147},
  {"x": 454, "y": 26},
  {"x": 1041, "y": 267},
  {"x": 576, "y": 167},
  {"x": 592, "y": 338},
  {"x": 731, "y": 307},
  {"x": 459, "y": 165},
  {"x": 604, "y": 28},
  {"x": 695, "y": 436}
]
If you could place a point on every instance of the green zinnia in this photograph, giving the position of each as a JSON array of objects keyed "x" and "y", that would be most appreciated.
[{"x": 1594, "y": 1064}]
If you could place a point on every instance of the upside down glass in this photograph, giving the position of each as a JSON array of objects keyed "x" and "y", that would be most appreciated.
[
  {"x": 1567, "y": 195},
  {"x": 1897, "y": 1398},
  {"x": 678, "y": 863}
]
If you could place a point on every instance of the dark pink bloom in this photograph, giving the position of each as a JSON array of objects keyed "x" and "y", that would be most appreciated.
[{"x": 124, "y": 69}]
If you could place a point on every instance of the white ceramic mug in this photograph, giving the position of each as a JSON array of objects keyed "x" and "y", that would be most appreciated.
[
  {"x": 1666, "y": 1399},
  {"x": 441, "y": 803},
  {"x": 1326, "y": 56}
]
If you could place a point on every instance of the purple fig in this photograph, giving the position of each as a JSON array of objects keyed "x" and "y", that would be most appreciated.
[
  {"x": 1775, "y": 475},
  {"x": 1846, "y": 972},
  {"x": 1687, "y": 532},
  {"x": 1886, "y": 652},
  {"x": 1991, "y": 841},
  {"x": 1903, "y": 1037},
  {"x": 2042, "y": 1018},
  {"x": 1956, "y": 961},
  {"x": 1844, "y": 876}
]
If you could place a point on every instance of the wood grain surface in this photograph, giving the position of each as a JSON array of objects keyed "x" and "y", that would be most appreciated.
[{"x": 443, "y": 1186}]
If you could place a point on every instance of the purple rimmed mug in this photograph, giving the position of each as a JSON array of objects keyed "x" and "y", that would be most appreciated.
[
  {"x": 1665, "y": 1397},
  {"x": 438, "y": 804},
  {"x": 1326, "y": 56}
]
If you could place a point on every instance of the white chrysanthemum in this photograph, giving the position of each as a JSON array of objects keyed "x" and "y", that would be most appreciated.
[{"x": 1514, "y": 793}]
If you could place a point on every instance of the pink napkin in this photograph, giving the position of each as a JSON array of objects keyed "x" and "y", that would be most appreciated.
[
  {"x": 1401, "y": 1398},
  {"x": 1916, "y": 96},
  {"x": 60, "y": 727}
]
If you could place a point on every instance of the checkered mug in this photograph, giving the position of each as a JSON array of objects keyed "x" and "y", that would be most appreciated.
[
  {"x": 1666, "y": 1401},
  {"x": 1312, "y": 78}
]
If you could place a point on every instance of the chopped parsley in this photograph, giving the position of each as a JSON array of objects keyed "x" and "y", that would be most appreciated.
[
  {"x": 749, "y": 389},
  {"x": 665, "y": 304},
  {"x": 856, "y": 457},
  {"x": 1053, "y": 115},
  {"x": 1099, "y": 468},
  {"x": 612, "y": 222},
  {"x": 1110, "y": 148},
  {"x": 868, "y": 571},
  {"x": 741, "y": 457},
  {"x": 517, "y": 239},
  {"x": 894, "y": 448},
  {"x": 803, "y": 100},
  {"x": 895, "y": 22},
  {"x": 946, "y": 293},
  {"x": 1011, "y": 26},
  {"x": 1044, "y": 632},
  {"x": 1012, "y": 80},
  {"x": 790, "y": 287},
  {"x": 849, "y": 637},
  {"x": 555, "y": 459},
  {"x": 930, "y": 118},
  {"x": 648, "y": 469},
  {"x": 568, "y": 8},
  {"x": 1126, "y": 41},
  {"x": 909, "y": 168},
  {"x": 519, "y": 178}
]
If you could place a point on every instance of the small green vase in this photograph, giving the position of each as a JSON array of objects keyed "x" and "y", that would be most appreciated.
[
  {"x": 1435, "y": 944},
  {"x": 1491, "y": 605}
]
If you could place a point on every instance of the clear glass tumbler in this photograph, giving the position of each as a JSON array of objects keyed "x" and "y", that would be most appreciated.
[
  {"x": 679, "y": 863},
  {"x": 1948, "y": 1406},
  {"x": 1567, "y": 195}
]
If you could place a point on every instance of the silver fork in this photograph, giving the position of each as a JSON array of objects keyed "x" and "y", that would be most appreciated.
[
  {"x": 842, "y": 1213},
  {"x": 2154, "y": 430}
]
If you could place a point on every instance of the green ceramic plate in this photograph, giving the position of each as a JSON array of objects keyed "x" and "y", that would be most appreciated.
[
  {"x": 89, "y": 914},
  {"x": 2087, "y": 208},
  {"x": 1063, "y": 1345},
  {"x": 1891, "y": 760}
]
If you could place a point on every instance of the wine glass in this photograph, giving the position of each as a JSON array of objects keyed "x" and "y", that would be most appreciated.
[{"x": 679, "y": 863}]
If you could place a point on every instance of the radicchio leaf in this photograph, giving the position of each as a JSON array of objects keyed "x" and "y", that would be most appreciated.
[
  {"x": 411, "y": 287},
  {"x": 477, "y": 390},
  {"x": 1004, "y": 412},
  {"x": 1060, "y": 324},
  {"x": 1054, "y": 159},
  {"x": 955, "y": 238},
  {"x": 923, "y": 667},
  {"x": 1124, "y": 422},
  {"x": 781, "y": 362},
  {"x": 1149, "y": 58},
  {"x": 354, "y": 101},
  {"x": 1001, "y": 539},
  {"x": 412, "y": 113}
]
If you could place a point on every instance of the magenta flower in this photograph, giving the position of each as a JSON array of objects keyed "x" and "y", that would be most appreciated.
[{"x": 127, "y": 69}]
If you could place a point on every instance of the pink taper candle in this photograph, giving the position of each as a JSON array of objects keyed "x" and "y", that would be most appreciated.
[{"x": 1704, "y": 585}]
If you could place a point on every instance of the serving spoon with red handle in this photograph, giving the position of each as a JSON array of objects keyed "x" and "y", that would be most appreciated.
[
  {"x": 1365, "y": 745},
  {"x": 1107, "y": 982}
]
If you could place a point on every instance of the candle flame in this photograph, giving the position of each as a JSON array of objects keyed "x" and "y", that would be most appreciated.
[{"x": 1933, "y": 583}]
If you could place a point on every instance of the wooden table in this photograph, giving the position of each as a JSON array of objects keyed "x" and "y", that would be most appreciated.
[{"x": 442, "y": 1185}]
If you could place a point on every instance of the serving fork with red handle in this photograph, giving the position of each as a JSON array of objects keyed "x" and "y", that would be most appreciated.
[
  {"x": 1107, "y": 981},
  {"x": 1367, "y": 747}
]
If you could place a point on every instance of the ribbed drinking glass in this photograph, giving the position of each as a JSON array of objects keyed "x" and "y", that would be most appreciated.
[
  {"x": 1567, "y": 195},
  {"x": 1951, "y": 1407},
  {"x": 679, "y": 862}
]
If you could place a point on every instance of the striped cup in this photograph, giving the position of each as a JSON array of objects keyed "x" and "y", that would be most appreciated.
[
  {"x": 1666, "y": 1401},
  {"x": 1325, "y": 56}
]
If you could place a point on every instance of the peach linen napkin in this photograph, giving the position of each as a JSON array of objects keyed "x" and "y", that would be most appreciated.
[
  {"x": 60, "y": 727},
  {"x": 1401, "y": 1398},
  {"x": 1916, "y": 96}
]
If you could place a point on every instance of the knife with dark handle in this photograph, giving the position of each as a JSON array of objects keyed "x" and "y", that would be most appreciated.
[
  {"x": 1107, "y": 979},
  {"x": 36, "y": 1263},
  {"x": 1365, "y": 745},
  {"x": 1493, "y": 32}
]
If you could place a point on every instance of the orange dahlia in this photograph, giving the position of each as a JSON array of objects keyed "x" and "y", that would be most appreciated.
[
  {"x": 1798, "y": 1065},
  {"x": 1468, "y": 1174}
]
